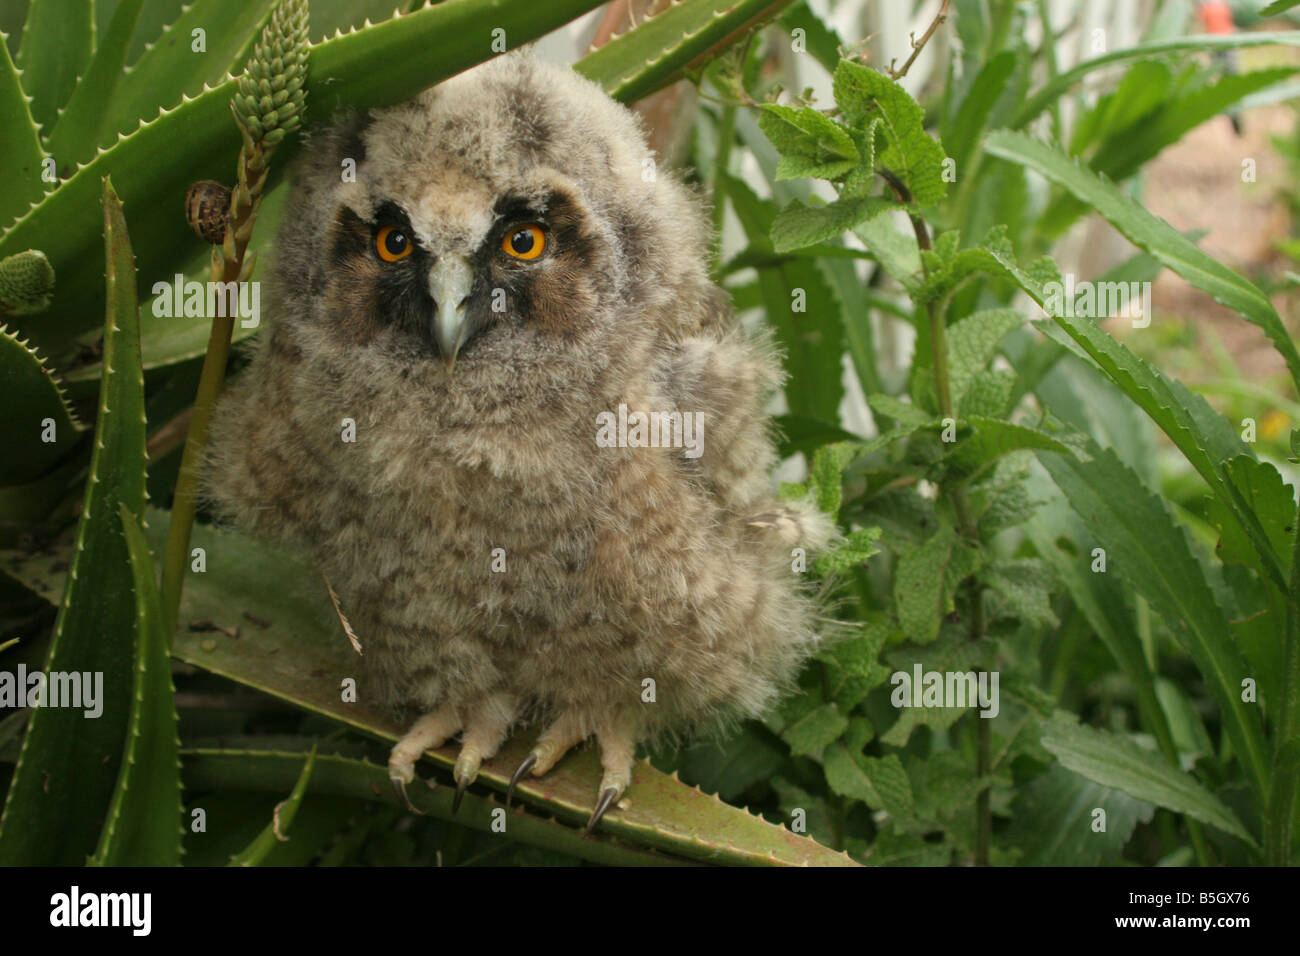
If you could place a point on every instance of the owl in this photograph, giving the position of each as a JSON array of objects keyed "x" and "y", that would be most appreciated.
[{"x": 503, "y": 405}]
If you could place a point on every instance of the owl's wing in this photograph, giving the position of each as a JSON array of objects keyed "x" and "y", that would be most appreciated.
[{"x": 724, "y": 377}]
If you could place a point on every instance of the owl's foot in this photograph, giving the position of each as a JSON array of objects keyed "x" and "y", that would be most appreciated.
[
  {"x": 617, "y": 739},
  {"x": 485, "y": 727}
]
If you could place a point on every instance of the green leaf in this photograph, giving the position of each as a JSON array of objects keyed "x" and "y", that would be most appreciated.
[
  {"x": 1200, "y": 433},
  {"x": 1027, "y": 585},
  {"x": 973, "y": 116},
  {"x": 69, "y": 765},
  {"x": 143, "y": 826},
  {"x": 822, "y": 42},
  {"x": 972, "y": 343},
  {"x": 1102, "y": 600},
  {"x": 170, "y": 70},
  {"x": 926, "y": 580},
  {"x": 809, "y": 141},
  {"x": 865, "y": 95},
  {"x": 811, "y": 724},
  {"x": 991, "y": 438},
  {"x": 858, "y": 548},
  {"x": 57, "y": 41},
  {"x": 20, "y": 160},
  {"x": 1271, "y": 499},
  {"x": 826, "y": 475},
  {"x": 1152, "y": 553},
  {"x": 77, "y": 131},
  {"x": 1059, "y": 84},
  {"x": 798, "y": 225},
  {"x": 1278, "y": 6},
  {"x": 34, "y": 403},
  {"x": 1152, "y": 234},
  {"x": 348, "y": 779},
  {"x": 1054, "y": 821},
  {"x": 281, "y": 820},
  {"x": 1116, "y": 761},
  {"x": 660, "y": 48},
  {"x": 729, "y": 767},
  {"x": 1125, "y": 152},
  {"x": 879, "y": 782},
  {"x": 896, "y": 251},
  {"x": 811, "y": 338}
]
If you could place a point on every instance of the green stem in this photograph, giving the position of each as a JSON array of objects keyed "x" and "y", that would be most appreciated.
[{"x": 176, "y": 558}]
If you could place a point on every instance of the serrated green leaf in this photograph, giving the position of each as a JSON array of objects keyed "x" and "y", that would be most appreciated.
[
  {"x": 1152, "y": 234},
  {"x": 809, "y": 141},
  {"x": 990, "y": 438},
  {"x": 143, "y": 824},
  {"x": 77, "y": 130},
  {"x": 1271, "y": 499},
  {"x": 1027, "y": 585},
  {"x": 20, "y": 160},
  {"x": 1055, "y": 821},
  {"x": 34, "y": 408},
  {"x": 973, "y": 115},
  {"x": 858, "y": 548},
  {"x": 1201, "y": 434},
  {"x": 924, "y": 582},
  {"x": 972, "y": 343},
  {"x": 69, "y": 765},
  {"x": 798, "y": 225},
  {"x": 1116, "y": 761},
  {"x": 1151, "y": 551},
  {"x": 57, "y": 42},
  {"x": 654, "y": 54},
  {"x": 729, "y": 767},
  {"x": 879, "y": 782},
  {"x": 810, "y": 725},
  {"x": 277, "y": 830},
  {"x": 864, "y": 95},
  {"x": 902, "y": 412},
  {"x": 896, "y": 251}
]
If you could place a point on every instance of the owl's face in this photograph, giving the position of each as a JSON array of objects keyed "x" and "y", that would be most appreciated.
[{"x": 504, "y": 219}]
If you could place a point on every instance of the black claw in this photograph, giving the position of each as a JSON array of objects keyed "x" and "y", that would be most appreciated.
[
  {"x": 606, "y": 798},
  {"x": 461, "y": 786},
  {"x": 529, "y": 763},
  {"x": 399, "y": 788}
]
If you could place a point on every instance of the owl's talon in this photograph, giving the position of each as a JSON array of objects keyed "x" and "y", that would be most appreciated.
[
  {"x": 528, "y": 763},
  {"x": 399, "y": 788},
  {"x": 607, "y": 797},
  {"x": 461, "y": 786}
]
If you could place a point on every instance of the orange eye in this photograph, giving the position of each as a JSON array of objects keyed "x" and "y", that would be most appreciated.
[
  {"x": 392, "y": 244},
  {"x": 526, "y": 242}
]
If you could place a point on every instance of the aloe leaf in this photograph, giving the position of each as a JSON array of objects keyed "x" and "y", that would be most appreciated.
[
  {"x": 335, "y": 775},
  {"x": 76, "y": 132},
  {"x": 1143, "y": 543},
  {"x": 170, "y": 69},
  {"x": 1060, "y": 84},
  {"x": 282, "y": 819},
  {"x": 652, "y": 55},
  {"x": 1116, "y": 761},
  {"x": 57, "y": 42},
  {"x": 143, "y": 825},
  {"x": 154, "y": 166},
  {"x": 37, "y": 426},
  {"x": 69, "y": 764},
  {"x": 20, "y": 160},
  {"x": 295, "y": 650}
]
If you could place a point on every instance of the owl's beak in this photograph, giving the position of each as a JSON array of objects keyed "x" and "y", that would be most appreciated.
[{"x": 450, "y": 283}]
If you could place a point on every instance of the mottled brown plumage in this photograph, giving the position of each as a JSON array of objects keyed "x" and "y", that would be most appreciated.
[{"x": 621, "y": 564}]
